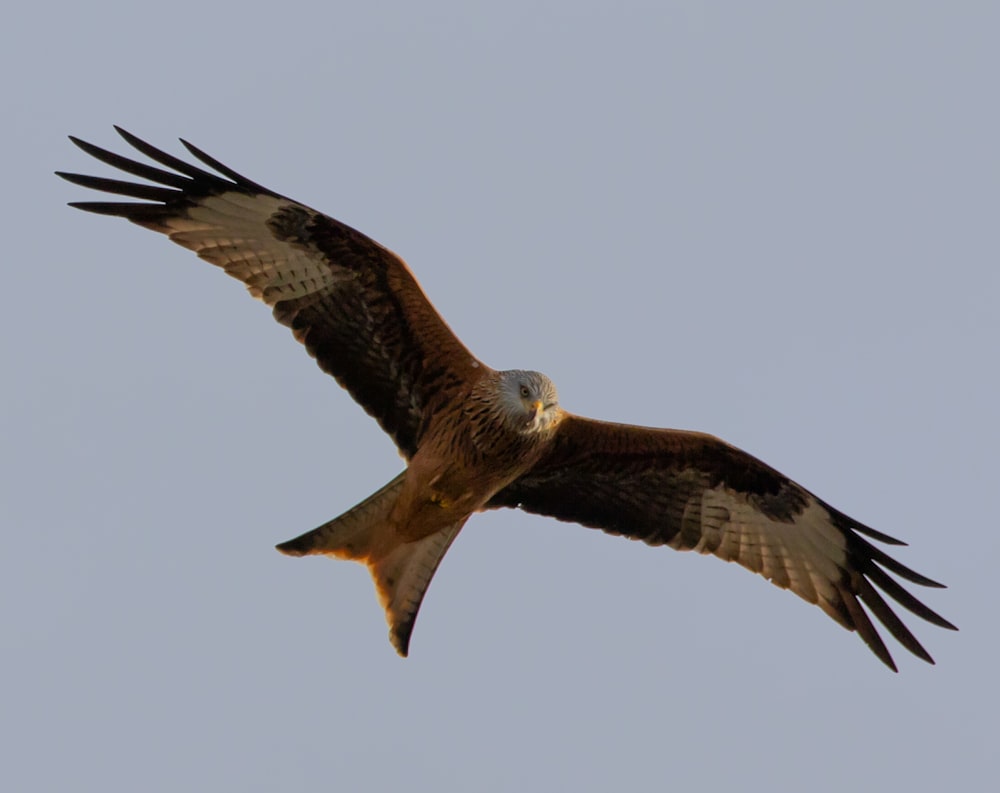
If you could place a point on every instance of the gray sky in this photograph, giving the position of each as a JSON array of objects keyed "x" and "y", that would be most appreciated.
[{"x": 775, "y": 222}]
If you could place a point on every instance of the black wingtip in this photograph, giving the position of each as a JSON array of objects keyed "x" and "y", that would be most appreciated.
[
  {"x": 79, "y": 142},
  {"x": 226, "y": 171},
  {"x": 875, "y": 534},
  {"x": 89, "y": 148},
  {"x": 128, "y": 136},
  {"x": 103, "y": 207}
]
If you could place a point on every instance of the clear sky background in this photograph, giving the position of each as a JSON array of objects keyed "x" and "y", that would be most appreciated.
[{"x": 776, "y": 222}]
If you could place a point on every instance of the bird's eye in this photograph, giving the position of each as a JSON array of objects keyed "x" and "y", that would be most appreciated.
[{"x": 525, "y": 393}]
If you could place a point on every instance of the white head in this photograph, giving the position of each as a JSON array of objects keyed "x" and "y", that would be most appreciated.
[{"x": 529, "y": 401}]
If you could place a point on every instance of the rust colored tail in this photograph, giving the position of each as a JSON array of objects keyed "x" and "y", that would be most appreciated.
[{"x": 402, "y": 571}]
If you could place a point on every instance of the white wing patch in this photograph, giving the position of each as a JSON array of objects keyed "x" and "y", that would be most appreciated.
[
  {"x": 231, "y": 231},
  {"x": 806, "y": 555}
]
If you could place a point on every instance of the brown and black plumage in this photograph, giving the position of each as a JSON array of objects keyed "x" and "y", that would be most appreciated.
[{"x": 475, "y": 438}]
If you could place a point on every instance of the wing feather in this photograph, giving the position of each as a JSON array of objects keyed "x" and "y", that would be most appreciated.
[
  {"x": 694, "y": 492},
  {"x": 353, "y": 303}
]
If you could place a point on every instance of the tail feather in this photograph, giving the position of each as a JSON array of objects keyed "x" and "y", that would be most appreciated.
[
  {"x": 402, "y": 577},
  {"x": 401, "y": 570},
  {"x": 351, "y": 535}
]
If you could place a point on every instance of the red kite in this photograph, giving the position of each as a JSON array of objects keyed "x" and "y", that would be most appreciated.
[{"x": 475, "y": 438}]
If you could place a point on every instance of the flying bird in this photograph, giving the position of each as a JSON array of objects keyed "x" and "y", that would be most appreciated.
[{"x": 475, "y": 438}]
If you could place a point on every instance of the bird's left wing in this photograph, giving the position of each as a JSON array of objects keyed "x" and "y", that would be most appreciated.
[
  {"x": 353, "y": 303},
  {"x": 692, "y": 491}
]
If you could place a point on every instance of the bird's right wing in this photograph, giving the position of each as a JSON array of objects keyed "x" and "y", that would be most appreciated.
[{"x": 353, "y": 303}]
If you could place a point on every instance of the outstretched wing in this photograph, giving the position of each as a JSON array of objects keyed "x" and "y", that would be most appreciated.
[
  {"x": 694, "y": 492},
  {"x": 353, "y": 304}
]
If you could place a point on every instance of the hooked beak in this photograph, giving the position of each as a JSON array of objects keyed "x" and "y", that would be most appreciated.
[{"x": 536, "y": 408}]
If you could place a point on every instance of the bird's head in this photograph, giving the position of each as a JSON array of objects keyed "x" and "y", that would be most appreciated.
[{"x": 529, "y": 401}]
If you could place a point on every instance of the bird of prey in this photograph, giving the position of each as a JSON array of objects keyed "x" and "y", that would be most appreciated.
[{"x": 475, "y": 438}]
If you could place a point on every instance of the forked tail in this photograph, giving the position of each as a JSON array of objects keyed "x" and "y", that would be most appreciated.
[{"x": 402, "y": 571}]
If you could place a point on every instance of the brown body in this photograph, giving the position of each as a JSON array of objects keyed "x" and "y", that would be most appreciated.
[{"x": 470, "y": 452}]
